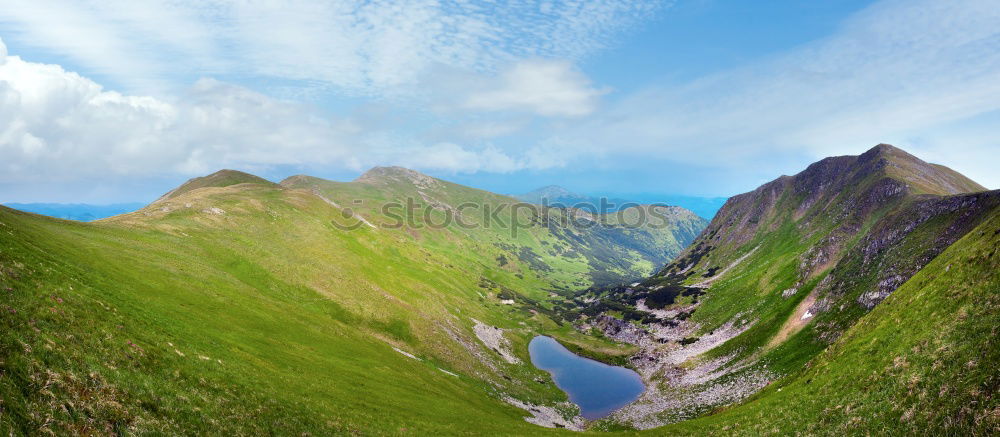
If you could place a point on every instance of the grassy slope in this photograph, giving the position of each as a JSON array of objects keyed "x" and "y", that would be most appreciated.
[
  {"x": 97, "y": 319},
  {"x": 922, "y": 362},
  {"x": 864, "y": 237},
  {"x": 219, "y": 179},
  {"x": 543, "y": 244},
  {"x": 302, "y": 317},
  {"x": 89, "y": 348},
  {"x": 168, "y": 320}
]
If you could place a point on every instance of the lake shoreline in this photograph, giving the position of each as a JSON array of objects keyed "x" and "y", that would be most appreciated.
[{"x": 598, "y": 388}]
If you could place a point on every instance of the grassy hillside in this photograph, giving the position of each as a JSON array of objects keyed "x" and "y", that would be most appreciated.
[
  {"x": 114, "y": 329},
  {"x": 219, "y": 179},
  {"x": 241, "y": 306},
  {"x": 840, "y": 300},
  {"x": 780, "y": 274},
  {"x": 923, "y": 362},
  {"x": 565, "y": 248}
]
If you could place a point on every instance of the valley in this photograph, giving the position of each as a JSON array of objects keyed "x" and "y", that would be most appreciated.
[{"x": 859, "y": 294}]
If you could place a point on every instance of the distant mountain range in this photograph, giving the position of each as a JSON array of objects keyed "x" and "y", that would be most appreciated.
[
  {"x": 555, "y": 195},
  {"x": 77, "y": 211}
]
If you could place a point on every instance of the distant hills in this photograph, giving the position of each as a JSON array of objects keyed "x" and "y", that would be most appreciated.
[
  {"x": 77, "y": 211},
  {"x": 555, "y": 195},
  {"x": 609, "y": 253}
]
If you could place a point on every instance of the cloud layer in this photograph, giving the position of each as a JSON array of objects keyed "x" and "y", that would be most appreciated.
[
  {"x": 375, "y": 47},
  {"x": 58, "y": 125},
  {"x": 464, "y": 87},
  {"x": 542, "y": 87}
]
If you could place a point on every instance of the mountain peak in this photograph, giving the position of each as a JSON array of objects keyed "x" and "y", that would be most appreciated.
[
  {"x": 885, "y": 148},
  {"x": 221, "y": 178},
  {"x": 385, "y": 175},
  {"x": 882, "y": 161},
  {"x": 887, "y": 152},
  {"x": 552, "y": 191},
  {"x": 295, "y": 180},
  {"x": 920, "y": 176},
  {"x": 229, "y": 173}
]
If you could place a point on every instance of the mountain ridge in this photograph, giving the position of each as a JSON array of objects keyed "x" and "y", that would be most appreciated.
[
  {"x": 785, "y": 269},
  {"x": 612, "y": 252}
]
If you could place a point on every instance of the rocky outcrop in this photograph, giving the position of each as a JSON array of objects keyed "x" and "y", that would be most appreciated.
[
  {"x": 546, "y": 416},
  {"x": 493, "y": 338},
  {"x": 675, "y": 389},
  {"x": 904, "y": 242}
]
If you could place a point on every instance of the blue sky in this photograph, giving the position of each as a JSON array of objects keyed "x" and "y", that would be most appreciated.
[{"x": 114, "y": 100}]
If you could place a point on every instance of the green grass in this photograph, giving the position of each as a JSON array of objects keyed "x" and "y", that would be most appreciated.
[
  {"x": 298, "y": 316},
  {"x": 269, "y": 319},
  {"x": 922, "y": 362}
]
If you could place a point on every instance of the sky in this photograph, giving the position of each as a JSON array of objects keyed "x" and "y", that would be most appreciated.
[{"x": 121, "y": 100}]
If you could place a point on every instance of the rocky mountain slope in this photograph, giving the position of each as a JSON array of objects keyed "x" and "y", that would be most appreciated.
[
  {"x": 782, "y": 272},
  {"x": 922, "y": 362}
]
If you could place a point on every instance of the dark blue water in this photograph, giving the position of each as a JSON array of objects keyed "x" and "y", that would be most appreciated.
[{"x": 599, "y": 389}]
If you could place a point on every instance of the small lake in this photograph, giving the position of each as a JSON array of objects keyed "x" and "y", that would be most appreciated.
[{"x": 599, "y": 389}]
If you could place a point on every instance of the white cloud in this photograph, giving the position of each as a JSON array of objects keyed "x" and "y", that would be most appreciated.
[
  {"x": 548, "y": 88},
  {"x": 368, "y": 48},
  {"x": 457, "y": 159},
  {"x": 56, "y": 125}
]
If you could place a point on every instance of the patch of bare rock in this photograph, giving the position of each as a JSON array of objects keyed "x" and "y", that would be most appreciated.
[
  {"x": 680, "y": 382},
  {"x": 493, "y": 338},
  {"x": 548, "y": 417}
]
